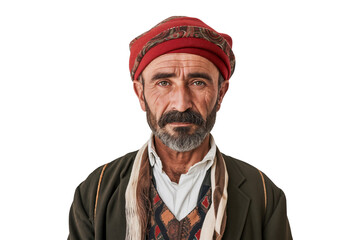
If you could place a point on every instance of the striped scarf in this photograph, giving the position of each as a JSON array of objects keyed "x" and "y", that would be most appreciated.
[{"x": 138, "y": 205}]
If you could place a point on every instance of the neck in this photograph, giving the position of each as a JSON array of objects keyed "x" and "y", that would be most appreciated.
[{"x": 177, "y": 163}]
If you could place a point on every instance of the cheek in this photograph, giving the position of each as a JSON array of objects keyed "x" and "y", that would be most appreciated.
[
  {"x": 157, "y": 102},
  {"x": 207, "y": 104}
]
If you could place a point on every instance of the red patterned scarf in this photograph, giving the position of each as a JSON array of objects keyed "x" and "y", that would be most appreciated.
[{"x": 137, "y": 198}]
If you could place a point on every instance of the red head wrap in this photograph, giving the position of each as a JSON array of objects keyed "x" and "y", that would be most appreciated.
[{"x": 182, "y": 35}]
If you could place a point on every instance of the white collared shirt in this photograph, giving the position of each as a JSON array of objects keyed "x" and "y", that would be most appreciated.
[{"x": 181, "y": 198}]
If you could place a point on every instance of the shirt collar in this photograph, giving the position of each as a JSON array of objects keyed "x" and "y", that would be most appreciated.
[
  {"x": 151, "y": 151},
  {"x": 208, "y": 159}
]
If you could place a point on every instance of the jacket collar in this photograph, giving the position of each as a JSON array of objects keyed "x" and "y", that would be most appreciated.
[{"x": 238, "y": 202}]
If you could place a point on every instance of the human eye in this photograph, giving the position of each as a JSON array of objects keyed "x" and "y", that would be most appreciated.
[
  {"x": 198, "y": 83},
  {"x": 163, "y": 83}
]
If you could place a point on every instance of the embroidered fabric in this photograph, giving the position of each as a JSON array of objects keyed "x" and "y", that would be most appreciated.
[{"x": 164, "y": 225}]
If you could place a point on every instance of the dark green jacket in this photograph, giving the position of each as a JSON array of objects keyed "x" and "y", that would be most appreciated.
[{"x": 247, "y": 218}]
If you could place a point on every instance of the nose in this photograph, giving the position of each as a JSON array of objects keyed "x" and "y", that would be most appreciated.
[{"x": 181, "y": 99}]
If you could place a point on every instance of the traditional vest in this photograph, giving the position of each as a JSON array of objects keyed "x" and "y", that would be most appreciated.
[{"x": 164, "y": 225}]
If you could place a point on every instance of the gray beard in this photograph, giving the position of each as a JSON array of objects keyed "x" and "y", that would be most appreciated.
[{"x": 182, "y": 141}]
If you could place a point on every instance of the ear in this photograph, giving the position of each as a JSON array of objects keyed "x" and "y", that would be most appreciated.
[
  {"x": 139, "y": 91},
  {"x": 223, "y": 89}
]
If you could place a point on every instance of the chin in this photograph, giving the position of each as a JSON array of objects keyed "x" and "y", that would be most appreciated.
[{"x": 181, "y": 140}]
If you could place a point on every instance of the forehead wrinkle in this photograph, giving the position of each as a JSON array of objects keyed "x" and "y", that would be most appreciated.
[
  {"x": 196, "y": 73},
  {"x": 173, "y": 68},
  {"x": 176, "y": 66},
  {"x": 181, "y": 61}
]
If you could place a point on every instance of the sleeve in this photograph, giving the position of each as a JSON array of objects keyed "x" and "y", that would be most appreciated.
[
  {"x": 80, "y": 223},
  {"x": 277, "y": 225}
]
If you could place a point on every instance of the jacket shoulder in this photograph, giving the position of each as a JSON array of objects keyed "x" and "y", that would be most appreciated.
[
  {"x": 114, "y": 171},
  {"x": 251, "y": 174},
  {"x": 254, "y": 183}
]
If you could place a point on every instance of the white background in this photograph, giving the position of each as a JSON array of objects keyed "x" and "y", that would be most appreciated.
[{"x": 67, "y": 105}]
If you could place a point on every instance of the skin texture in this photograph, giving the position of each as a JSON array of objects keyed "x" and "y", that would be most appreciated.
[{"x": 180, "y": 81}]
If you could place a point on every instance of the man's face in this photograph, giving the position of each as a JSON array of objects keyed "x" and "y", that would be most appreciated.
[{"x": 181, "y": 96}]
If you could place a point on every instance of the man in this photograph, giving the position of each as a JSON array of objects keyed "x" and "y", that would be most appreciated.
[{"x": 179, "y": 185}]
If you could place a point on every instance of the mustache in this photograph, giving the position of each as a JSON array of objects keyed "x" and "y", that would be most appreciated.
[{"x": 188, "y": 116}]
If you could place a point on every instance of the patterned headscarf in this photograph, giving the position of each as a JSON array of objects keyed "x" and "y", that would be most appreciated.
[{"x": 182, "y": 35}]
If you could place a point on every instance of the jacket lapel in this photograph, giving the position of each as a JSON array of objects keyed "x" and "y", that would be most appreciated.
[{"x": 238, "y": 203}]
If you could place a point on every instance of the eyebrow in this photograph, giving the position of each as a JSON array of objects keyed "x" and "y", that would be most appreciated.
[
  {"x": 200, "y": 75},
  {"x": 203, "y": 75},
  {"x": 162, "y": 75}
]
